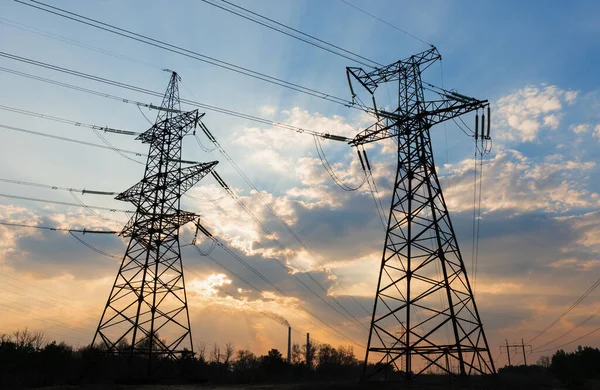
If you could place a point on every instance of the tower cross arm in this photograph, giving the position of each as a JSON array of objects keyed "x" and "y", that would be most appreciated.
[
  {"x": 392, "y": 72},
  {"x": 192, "y": 175},
  {"x": 433, "y": 112}
]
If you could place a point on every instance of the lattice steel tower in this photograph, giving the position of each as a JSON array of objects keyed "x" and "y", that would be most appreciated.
[
  {"x": 147, "y": 311},
  {"x": 424, "y": 313}
]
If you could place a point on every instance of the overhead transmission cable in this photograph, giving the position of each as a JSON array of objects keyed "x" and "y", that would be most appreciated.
[
  {"x": 86, "y": 231},
  {"x": 217, "y": 242},
  {"x": 148, "y": 92},
  {"x": 325, "y": 163},
  {"x": 387, "y": 23},
  {"x": 62, "y": 203},
  {"x": 69, "y": 189},
  {"x": 220, "y": 244},
  {"x": 47, "y": 34},
  {"x": 57, "y": 137},
  {"x": 182, "y": 51},
  {"x": 286, "y": 250},
  {"x": 218, "y": 146},
  {"x": 568, "y": 310},
  {"x": 270, "y": 207},
  {"x": 569, "y": 331},
  {"x": 570, "y": 342},
  {"x": 68, "y": 121},
  {"x": 292, "y": 32},
  {"x": 281, "y": 292}
]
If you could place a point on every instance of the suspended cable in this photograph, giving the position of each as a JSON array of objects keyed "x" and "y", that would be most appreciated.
[
  {"x": 61, "y": 203},
  {"x": 286, "y": 250},
  {"x": 93, "y": 247},
  {"x": 152, "y": 93},
  {"x": 70, "y": 41},
  {"x": 38, "y": 185},
  {"x": 570, "y": 342},
  {"x": 181, "y": 51},
  {"x": 21, "y": 130},
  {"x": 568, "y": 310},
  {"x": 264, "y": 21},
  {"x": 383, "y": 21},
  {"x": 45, "y": 319},
  {"x": 474, "y": 213},
  {"x": 238, "y": 258},
  {"x": 372, "y": 186},
  {"x": 105, "y": 141},
  {"x": 68, "y": 121},
  {"x": 325, "y": 163},
  {"x": 204, "y": 148},
  {"x": 281, "y": 220},
  {"x": 580, "y": 324},
  {"x": 85, "y": 231},
  {"x": 478, "y": 223}
]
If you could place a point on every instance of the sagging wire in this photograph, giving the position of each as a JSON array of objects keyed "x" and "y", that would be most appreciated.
[
  {"x": 483, "y": 146},
  {"x": 325, "y": 163},
  {"x": 90, "y": 246},
  {"x": 270, "y": 207},
  {"x": 105, "y": 141},
  {"x": 284, "y": 250},
  {"x": 58, "y": 229},
  {"x": 89, "y": 209},
  {"x": 210, "y": 200},
  {"x": 372, "y": 185},
  {"x": 204, "y": 148},
  {"x": 144, "y": 115}
]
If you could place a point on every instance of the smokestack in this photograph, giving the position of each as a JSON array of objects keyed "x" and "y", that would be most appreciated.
[{"x": 289, "y": 359}]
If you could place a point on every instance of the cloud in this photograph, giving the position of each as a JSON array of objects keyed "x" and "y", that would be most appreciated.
[
  {"x": 597, "y": 131},
  {"x": 521, "y": 114},
  {"x": 580, "y": 128},
  {"x": 514, "y": 182}
]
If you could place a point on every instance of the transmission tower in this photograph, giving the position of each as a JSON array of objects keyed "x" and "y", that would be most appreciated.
[
  {"x": 147, "y": 312},
  {"x": 424, "y": 309}
]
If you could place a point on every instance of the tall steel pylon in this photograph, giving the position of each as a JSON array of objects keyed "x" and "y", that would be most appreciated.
[
  {"x": 147, "y": 311},
  {"x": 424, "y": 308}
]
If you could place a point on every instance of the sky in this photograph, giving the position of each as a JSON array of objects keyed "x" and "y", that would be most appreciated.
[{"x": 538, "y": 248}]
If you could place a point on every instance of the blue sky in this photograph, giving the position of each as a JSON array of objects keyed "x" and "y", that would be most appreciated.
[{"x": 535, "y": 61}]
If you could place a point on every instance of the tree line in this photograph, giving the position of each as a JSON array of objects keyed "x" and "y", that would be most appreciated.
[{"x": 30, "y": 359}]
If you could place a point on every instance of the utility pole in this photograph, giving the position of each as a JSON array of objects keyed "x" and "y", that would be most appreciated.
[
  {"x": 522, "y": 346},
  {"x": 507, "y": 351},
  {"x": 421, "y": 257},
  {"x": 146, "y": 314}
]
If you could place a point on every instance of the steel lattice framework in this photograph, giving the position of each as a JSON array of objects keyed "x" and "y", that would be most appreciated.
[
  {"x": 147, "y": 311},
  {"x": 424, "y": 315}
]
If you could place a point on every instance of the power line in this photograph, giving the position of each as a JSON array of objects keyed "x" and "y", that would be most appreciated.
[
  {"x": 277, "y": 288},
  {"x": 568, "y": 310},
  {"x": 57, "y": 137},
  {"x": 583, "y": 322},
  {"x": 151, "y": 93},
  {"x": 281, "y": 220},
  {"x": 325, "y": 163},
  {"x": 570, "y": 342},
  {"x": 184, "y": 52},
  {"x": 85, "y": 231},
  {"x": 38, "y": 185},
  {"x": 387, "y": 23},
  {"x": 62, "y": 203},
  {"x": 68, "y": 121},
  {"x": 70, "y": 41},
  {"x": 265, "y": 22}
]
